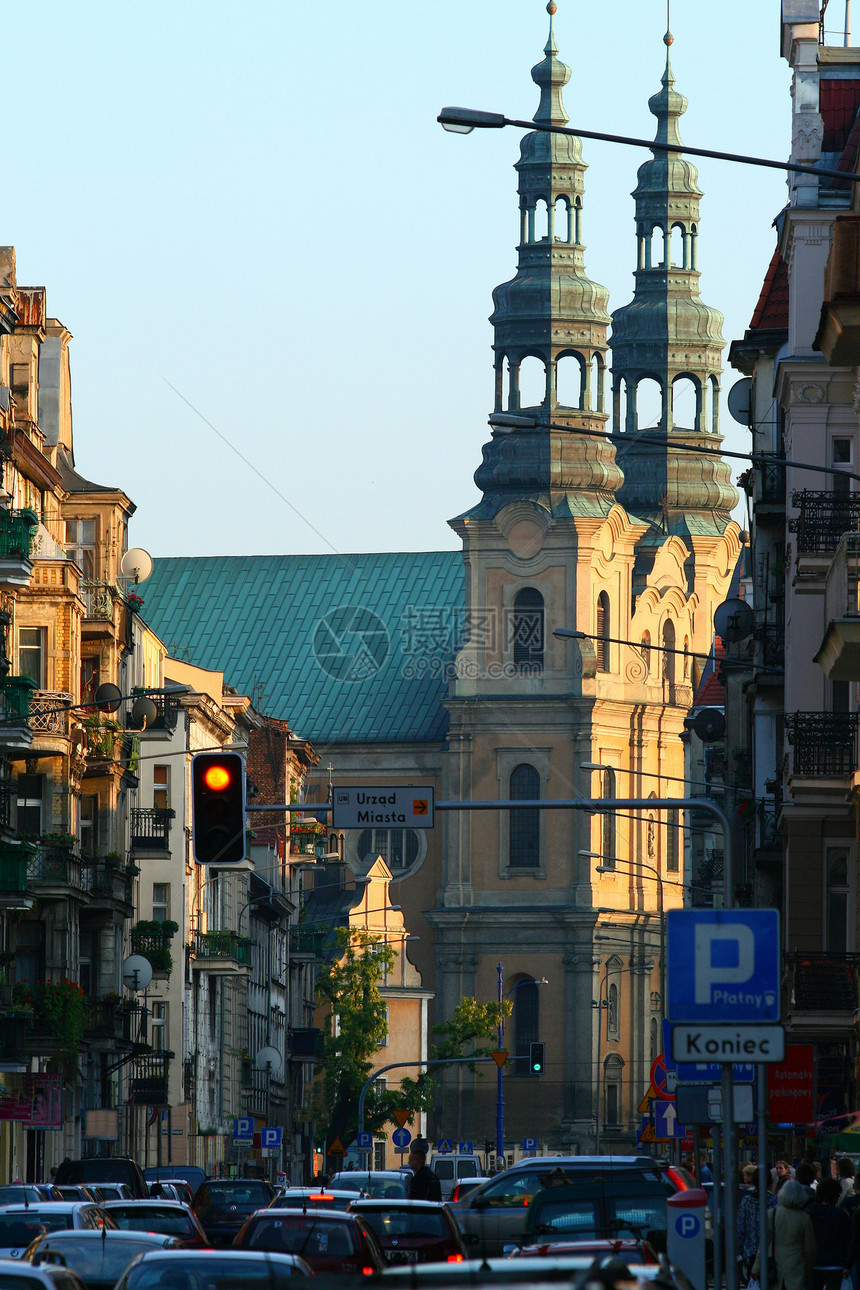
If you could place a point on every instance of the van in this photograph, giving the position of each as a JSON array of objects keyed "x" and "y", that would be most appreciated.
[
  {"x": 452, "y": 1166},
  {"x": 98, "y": 1169}
]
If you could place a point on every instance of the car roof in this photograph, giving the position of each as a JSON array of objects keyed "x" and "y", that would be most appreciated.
[
  {"x": 161, "y": 1201},
  {"x": 91, "y": 1234},
  {"x": 293, "y": 1211},
  {"x": 396, "y": 1202},
  {"x": 51, "y": 1206},
  {"x": 242, "y": 1255}
]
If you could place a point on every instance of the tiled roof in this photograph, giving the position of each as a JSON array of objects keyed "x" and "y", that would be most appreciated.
[
  {"x": 838, "y": 101},
  {"x": 348, "y": 649},
  {"x": 771, "y": 312},
  {"x": 712, "y": 690}
]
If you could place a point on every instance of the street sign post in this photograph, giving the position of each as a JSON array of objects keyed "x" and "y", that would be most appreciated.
[
  {"x": 373, "y": 806},
  {"x": 725, "y": 1044},
  {"x": 723, "y": 965}
]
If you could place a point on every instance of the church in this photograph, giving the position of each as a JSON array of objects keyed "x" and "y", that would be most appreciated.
[{"x": 444, "y": 668}]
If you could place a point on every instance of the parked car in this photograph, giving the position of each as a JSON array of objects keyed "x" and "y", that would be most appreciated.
[
  {"x": 528, "y": 1273},
  {"x": 493, "y": 1216},
  {"x": 20, "y": 1224},
  {"x": 453, "y": 1166},
  {"x": 77, "y": 1192},
  {"x": 19, "y": 1193},
  {"x": 47, "y": 1277},
  {"x": 192, "y": 1174},
  {"x": 629, "y": 1250},
  {"x": 388, "y": 1183},
  {"x": 99, "y": 1258},
  {"x": 191, "y": 1269},
  {"x": 223, "y": 1204},
  {"x": 183, "y": 1189},
  {"x": 163, "y": 1190},
  {"x": 327, "y": 1239},
  {"x": 413, "y": 1231},
  {"x": 102, "y": 1169},
  {"x": 169, "y": 1217},
  {"x": 466, "y": 1185},
  {"x": 305, "y": 1198},
  {"x": 111, "y": 1190}
]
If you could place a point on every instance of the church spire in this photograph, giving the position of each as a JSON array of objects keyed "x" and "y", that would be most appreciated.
[
  {"x": 668, "y": 343},
  {"x": 553, "y": 319}
]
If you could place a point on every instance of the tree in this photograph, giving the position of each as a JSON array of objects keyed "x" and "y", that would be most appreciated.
[{"x": 470, "y": 1023}]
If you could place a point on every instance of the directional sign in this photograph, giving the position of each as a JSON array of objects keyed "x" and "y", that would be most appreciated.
[
  {"x": 243, "y": 1130},
  {"x": 465, "y": 1148},
  {"x": 364, "y": 1141},
  {"x": 666, "y": 1123},
  {"x": 529, "y": 1144},
  {"x": 723, "y": 965},
  {"x": 401, "y": 1138},
  {"x": 270, "y": 1139},
  {"x": 725, "y": 1043},
  {"x": 386, "y": 806}
]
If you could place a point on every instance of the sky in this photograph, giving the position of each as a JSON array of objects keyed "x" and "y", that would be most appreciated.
[{"x": 264, "y": 244}]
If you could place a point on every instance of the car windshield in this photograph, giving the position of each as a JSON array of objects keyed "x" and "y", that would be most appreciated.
[
  {"x": 97, "y": 1259},
  {"x": 152, "y": 1218},
  {"x": 45, "y": 1217},
  {"x": 233, "y": 1193},
  {"x": 227, "y": 1272},
  {"x": 388, "y": 1186},
  {"x": 397, "y": 1224},
  {"x": 309, "y": 1236}
]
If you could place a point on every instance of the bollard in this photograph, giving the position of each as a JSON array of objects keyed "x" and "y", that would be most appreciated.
[{"x": 685, "y": 1222}]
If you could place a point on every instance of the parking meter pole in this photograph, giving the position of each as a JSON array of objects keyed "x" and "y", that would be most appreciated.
[
  {"x": 731, "y": 1176},
  {"x": 685, "y": 1234},
  {"x": 761, "y": 1107},
  {"x": 717, "y": 1209}
]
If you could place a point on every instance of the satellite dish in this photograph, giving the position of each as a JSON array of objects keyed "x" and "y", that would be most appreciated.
[
  {"x": 268, "y": 1059},
  {"x": 709, "y": 725},
  {"x": 136, "y": 564},
  {"x": 740, "y": 401},
  {"x": 136, "y": 972},
  {"x": 143, "y": 712},
  {"x": 108, "y": 697},
  {"x": 734, "y": 620}
]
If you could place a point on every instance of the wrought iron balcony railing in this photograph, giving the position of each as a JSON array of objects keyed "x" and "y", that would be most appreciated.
[
  {"x": 14, "y": 866},
  {"x": 17, "y": 531},
  {"x": 149, "y": 1080},
  {"x": 772, "y": 486},
  {"x": 150, "y": 828},
  {"x": 98, "y": 597},
  {"x": 100, "y": 877},
  {"x": 49, "y": 712},
  {"x": 223, "y": 944},
  {"x": 824, "y": 743},
  {"x": 822, "y": 982},
  {"x": 17, "y": 695},
  {"x": 54, "y": 864},
  {"x": 823, "y": 518},
  {"x": 307, "y": 940}
]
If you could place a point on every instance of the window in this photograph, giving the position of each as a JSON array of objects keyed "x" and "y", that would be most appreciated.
[
  {"x": 30, "y": 805},
  {"x": 524, "y": 826},
  {"x": 30, "y": 953},
  {"x": 673, "y": 842},
  {"x": 379, "y": 1155},
  {"x": 161, "y": 787},
  {"x": 612, "y": 1084},
  {"x": 90, "y": 824},
  {"x": 669, "y": 652},
  {"x": 158, "y": 1026},
  {"x": 81, "y": 545},
  {"x": 609, "y": 854},
  {"x": 527, "y": 628},
  {"x": 398, "y": 847},
  {"x": 601, "y": 632},
  {"x": 31, "y": 654},
  {"x": 613, "y": 1026},
  {"x": 655, "y": 1042},
  {"x": 526, "y": 1021},
  {"x": 89, "y": 679},
  {"x": 161, "y": 901},
  {"x": 383, "y": 1042},
  {"x": 836, "y": 900}
]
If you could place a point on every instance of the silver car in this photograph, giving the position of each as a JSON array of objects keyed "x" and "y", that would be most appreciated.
[{"x": 20, "y": 1225}]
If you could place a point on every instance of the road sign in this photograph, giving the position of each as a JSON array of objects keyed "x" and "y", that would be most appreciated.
[
  {"x": 660, "y": 1077},
  {"x": 725, "y": 1043},
  {"x": 401, "y": 1138},
  {"x": 645, "y": 1132},
  {"x": 373, "y": 806},
  {"x": 364, "y": 1141},
  {"x": 666, "y": 1122},
  {"x": 444, "y": 1145},
  {"x": 723, "y": 965},
  {"x": 645, "y": 1104},
  {"x": 465, "y": 1148},
  {"x": 243, "y": 1130},
  {"x": 791, "y": 1087},
  {"x": 529, "y": 1144},
  {"x": 702, "y": 1072},
  {"x": 500, "y": 1056},
  {"x": 703, "y": 1103},
  {"x": 402, "y": 1117},
  {"x": 337, "y": 1148},
  {"x": 270, "y": 1139}
]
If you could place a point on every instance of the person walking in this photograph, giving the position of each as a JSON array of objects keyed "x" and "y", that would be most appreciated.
[
  {"x": 791, "y": 1241},
  {"x": 781, "y": 1175},
  {"x": 832, "y": 1227},
  {"x": 748, "y": 1228},
  {"x": 424, "y": 1185}
]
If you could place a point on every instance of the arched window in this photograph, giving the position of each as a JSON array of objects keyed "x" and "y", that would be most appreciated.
[
  {"x": 673, "y": 842},
  {"x": 524, "y": 826},
  {"x": 658, "y": 248},
  {"x": 612, "y": 1022},
  {"x": 601, "y": 632},
  {"x": 563, "y": 222},
  {"x": 532, "y": 383},
  {"x": 612, "y": 1073},
  {"x": 527, "y": 629},
  {"x": 649, "y": 405},
  {"x": 526, "y": 1019},
  {"x": 569, "y": 381},
  {"x": 541, "y": 220},
  {"x": 685, "y": 403},
  {"x": 669, "y": 652},
  {"x": 677, "y": 248},
  {"x": 609, "y": 855}
]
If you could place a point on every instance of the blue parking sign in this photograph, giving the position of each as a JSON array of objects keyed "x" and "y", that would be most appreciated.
[{"x": 722, "y": 965}]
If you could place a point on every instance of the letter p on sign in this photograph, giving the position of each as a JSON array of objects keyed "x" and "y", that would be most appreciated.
[
  {"x": 724, "y": 956},
  {"x": 688, "y": 1225}
]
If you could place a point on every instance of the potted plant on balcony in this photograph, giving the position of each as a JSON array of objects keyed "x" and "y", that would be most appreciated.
[
  {"x": 150, "y": 937},
  {"x": 58, "y": 1011}
]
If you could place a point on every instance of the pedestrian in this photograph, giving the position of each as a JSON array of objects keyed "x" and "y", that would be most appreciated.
[
  {"x": 748, "y": 1228},
  {"x": 845, "y": 1175},
  {"x": 705, "y": 1175},
  {"x": 832, "y": 1227},
  {"x": 805, "y": 1175},
  {"x": 790, "y": 1241},
  {"x": 781, "y": 1175},
  {"x": 424, "y": 1185},
  {"x": 852, "y": 1202}
]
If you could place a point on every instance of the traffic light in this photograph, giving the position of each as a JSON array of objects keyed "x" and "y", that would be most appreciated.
[
  {"x": 218, "y": 808},
  {"x": 536, "y": 1051}
]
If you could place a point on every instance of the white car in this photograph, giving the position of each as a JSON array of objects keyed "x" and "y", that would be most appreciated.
[{"x": 20, "y": 1225}]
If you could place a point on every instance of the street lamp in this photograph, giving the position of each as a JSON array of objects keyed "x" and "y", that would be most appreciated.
[
  {"x": 600, "y": 1003},
  {"x": 500, "y": 1098}
]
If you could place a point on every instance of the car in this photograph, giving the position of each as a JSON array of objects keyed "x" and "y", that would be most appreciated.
[
  {"x": 223, "y": 1204},
  {"x": 611, "y": 1205},
  {"x": 48, "y": 1277},
  {"x": 24, "y": 1193},
  {"x": 192, "y": 1174},
  {"x": 629, "y": 1250},
  {"x": 193, "y": 1269},
  {"x": 387, "y": 1183},
  {"x": 163, "y": 1190},
  {"x": 169, "y": 1217},
  {"x": 111, "y": 1190},
  {"x": 466, "y": 1185},
  {"x": 532, "y": 1273},
  {"x": 183, "y": 1189},
  {"x": 450, "y": 1167},
  {"x": 327, "y": 1239},
  {"x": 413, "y": 1231},
  {"x": 306, "y": 1198},
  {"x": 77, "y": 1192},
  {"x": 103, "y": 1169},
  {"x": 21, "y": 1224},
  {"x": 99, "y": 1258},
  {"x": 493, "y": 1215}
]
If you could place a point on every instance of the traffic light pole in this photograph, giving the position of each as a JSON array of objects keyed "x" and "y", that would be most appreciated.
[{"x": 428, "y": 1062}]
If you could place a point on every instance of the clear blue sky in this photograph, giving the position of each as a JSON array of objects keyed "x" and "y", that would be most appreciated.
[{"x": 254, "y": 203}]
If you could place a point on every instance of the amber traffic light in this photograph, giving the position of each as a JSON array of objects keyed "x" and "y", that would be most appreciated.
[{"x": 218, "y": 808}]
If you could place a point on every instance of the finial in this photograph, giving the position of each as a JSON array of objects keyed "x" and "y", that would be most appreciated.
[
  {"x": 552, "y": 8},
  {"x": 668, "y": 39}
]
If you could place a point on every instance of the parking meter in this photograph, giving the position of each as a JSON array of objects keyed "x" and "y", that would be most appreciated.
[{"x": 685, "y": 1241}]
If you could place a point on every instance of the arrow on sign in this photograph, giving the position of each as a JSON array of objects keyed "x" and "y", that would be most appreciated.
[{"x": 670, "y": 1115}]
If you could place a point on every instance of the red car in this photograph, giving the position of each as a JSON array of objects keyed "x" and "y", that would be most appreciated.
[
  {"x": 325, "y": 1238},
  {"x": 413, "y": 1231},
  {"x": 168, "y": 1217}
]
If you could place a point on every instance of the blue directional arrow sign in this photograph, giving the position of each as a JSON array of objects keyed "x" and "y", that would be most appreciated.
[
  {"x": 401, "y": 1138},
  {"x": 723, "y": 965},
  {"x": 666, "y": 1121}
]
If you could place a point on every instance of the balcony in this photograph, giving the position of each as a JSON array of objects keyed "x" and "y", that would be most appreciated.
[
  {"x": 307, "y": 940},
  {"x": 16, "y": 694},
  {"x": 766, "y": 833},
  {"x": 821, "y": 993},
  {"x": 222, "y": 952},
  {"x": 98, "y": 598},
  {"x": 109, "y": 884},
  {"x": 163, "y": 723},
  {"x": 103, "y": 1018},
  {"x": 15, "y": 892},
  {"x": 150, "y": 828},
  {"x": 823, "y": 518},
  {"x": 54, "y": 868},
  {"x": 839, "y": 653},
  {"x": 771, "y": 647},
  {"x": 824, "y": 743},
  {"x": 49, "y": 713},
  {"x": 149, "y": 1080},
  {"x": 17, "y": 531},
  {"x": 151, "y": 938}
]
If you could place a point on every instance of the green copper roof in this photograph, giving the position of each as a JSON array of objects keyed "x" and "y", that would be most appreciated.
[{"x": 347, "y": 649}]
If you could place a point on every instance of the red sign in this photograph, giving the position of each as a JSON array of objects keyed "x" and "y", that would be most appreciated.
[
  {"x": 39, "y": 1104},
  {"x": 791, "y": 1086},
  {"x": 660, "y": 1079}
]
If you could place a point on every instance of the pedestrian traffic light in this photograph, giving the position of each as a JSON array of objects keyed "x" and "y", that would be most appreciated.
[
  {"x": 536, "y": 1051},
  {"x": 218, "y": 808}
]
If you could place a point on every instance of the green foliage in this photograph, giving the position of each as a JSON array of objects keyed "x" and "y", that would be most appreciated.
[{"x": 150, "y": 937}]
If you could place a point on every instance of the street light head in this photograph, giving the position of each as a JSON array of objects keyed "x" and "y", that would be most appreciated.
[
  {"x": 465, "y": 120},
  {"x": 567, "y": 633},
  {"x": 603, "y": 868},
  {"x": 592, "y": 765},
  {"x": 512, "y": 421},
  {"x": 543, "y": 981},
  {"x": 591, "y": 855}
]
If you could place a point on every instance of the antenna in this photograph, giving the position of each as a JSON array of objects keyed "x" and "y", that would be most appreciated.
[{"x": 847, "y": 23}]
